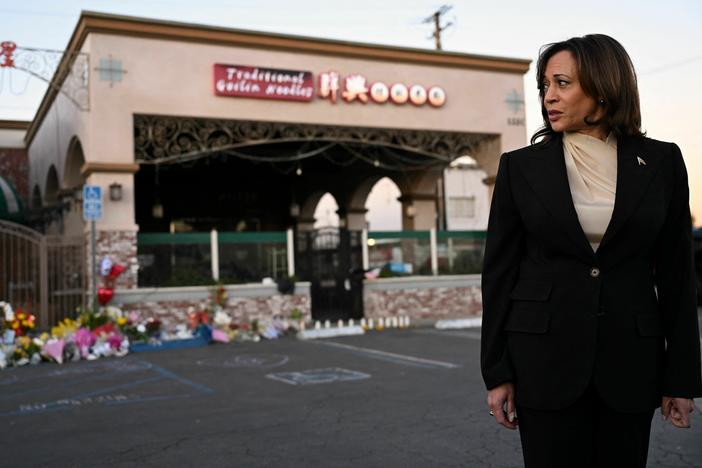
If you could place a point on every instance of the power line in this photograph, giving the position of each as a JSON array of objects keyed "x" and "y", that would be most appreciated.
[{"x": 671, "y": 65}]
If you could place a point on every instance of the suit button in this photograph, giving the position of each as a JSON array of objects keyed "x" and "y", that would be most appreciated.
[{"x": 594, "y": 272}]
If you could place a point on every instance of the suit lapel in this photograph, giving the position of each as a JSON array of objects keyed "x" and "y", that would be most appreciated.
[
  {"x": 635, "y": 170},
  {"x": 545, "y": 171}
]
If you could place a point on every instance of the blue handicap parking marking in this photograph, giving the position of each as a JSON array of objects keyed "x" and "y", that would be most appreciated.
[
  {"x": 92, "y": 193},
  {"x": 90, "y": 384},
  {"x": 318, "y": 376},
  {"x": 92, "y": 202}
]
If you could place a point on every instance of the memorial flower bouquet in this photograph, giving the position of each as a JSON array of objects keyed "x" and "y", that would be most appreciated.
[{"x": 22, "y": 323}]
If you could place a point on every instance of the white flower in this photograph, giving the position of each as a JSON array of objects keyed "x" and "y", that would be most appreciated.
[
  {"x": 113, "y": 312},
  {"x": 141, "y": 328},
  {"x": 221, "y": 318},
  {"x": 7, "y": 310}
]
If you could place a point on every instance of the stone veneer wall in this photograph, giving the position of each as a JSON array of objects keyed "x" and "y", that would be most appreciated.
[
  {"x": 121, "y": 246},
  {"x": 244, "y": 304},
  {"x": 424, "y": 298}
]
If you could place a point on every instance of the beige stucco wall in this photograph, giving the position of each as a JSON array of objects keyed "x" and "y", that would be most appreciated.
[
  {"x": 176, "y": 78},
  {"x": 62, "y": 122},
  {"x": 12, "y": 138}
]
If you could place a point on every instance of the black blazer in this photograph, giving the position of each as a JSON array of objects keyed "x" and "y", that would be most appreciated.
[{"x": 556, "y": 313}]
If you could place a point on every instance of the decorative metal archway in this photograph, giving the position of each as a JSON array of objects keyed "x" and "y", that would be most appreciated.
[
  {"x": 172, "y": 140},
  {"x": 66, "y": 72}
]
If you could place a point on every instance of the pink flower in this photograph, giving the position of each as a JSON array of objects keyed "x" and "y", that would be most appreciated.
[
  {"x": 114, "y": 340},
  {"x": 84, "y": 340}
]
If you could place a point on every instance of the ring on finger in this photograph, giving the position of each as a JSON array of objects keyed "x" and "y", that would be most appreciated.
[{"x": 492, "y": 414}]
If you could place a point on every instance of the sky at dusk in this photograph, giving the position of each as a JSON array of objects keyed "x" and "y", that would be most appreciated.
[{"x": 664, "y": 40}]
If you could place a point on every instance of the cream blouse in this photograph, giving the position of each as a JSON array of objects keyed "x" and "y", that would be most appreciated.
[{"x": 591, "y": 165}]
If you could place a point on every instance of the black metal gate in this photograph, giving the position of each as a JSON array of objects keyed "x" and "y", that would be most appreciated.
[
  {"x": 331, "y": 260},
  {"x": 45, "y": 274}
]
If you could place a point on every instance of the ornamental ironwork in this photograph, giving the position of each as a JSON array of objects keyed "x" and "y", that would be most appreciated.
[
  {"x": 66, "y": 72},
  {"x": 171, "y": 140}
]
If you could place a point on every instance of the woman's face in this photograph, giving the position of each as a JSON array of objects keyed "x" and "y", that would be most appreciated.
[{"x": 565, "y": 101}]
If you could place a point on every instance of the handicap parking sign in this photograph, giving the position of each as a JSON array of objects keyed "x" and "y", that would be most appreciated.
[{"x": 92, "y": 202}]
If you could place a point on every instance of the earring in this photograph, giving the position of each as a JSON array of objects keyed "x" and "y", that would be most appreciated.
[{"x": 602, "y": 102}]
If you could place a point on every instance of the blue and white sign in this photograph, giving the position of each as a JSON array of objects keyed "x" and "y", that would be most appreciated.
[{"x": 92, "y": 202}]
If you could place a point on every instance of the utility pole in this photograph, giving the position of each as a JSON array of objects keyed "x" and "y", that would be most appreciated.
[{"x": 436, "y": 19}]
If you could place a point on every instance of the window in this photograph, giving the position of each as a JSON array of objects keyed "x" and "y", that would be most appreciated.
[{"x": 461, "y": 207}]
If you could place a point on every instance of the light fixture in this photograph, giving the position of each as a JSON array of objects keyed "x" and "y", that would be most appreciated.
[
  {"x": 115, "y": 191},
  {"x": 376, "y": 163},
  {"x": 299, "y": 170},
  {"x": 411, "y": 211},
  {"x": 294, "y": 210},
  {"x": 157, "y": 210}
]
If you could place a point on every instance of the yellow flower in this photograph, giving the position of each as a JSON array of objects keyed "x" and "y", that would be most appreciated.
[{"x": 121, "y": 321}]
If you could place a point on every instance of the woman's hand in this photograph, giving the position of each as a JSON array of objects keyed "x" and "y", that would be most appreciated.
[
  {"x": 501, "y": 402},
  {"x": 678, "y": 410}
]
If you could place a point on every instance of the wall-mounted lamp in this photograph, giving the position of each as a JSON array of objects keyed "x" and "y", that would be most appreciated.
[
  {"x": 411, "y": 211},
  {"x": 115, "y": 191},
  {"x": 294, "y": 210},
  {"x": 157, "y": 210}
]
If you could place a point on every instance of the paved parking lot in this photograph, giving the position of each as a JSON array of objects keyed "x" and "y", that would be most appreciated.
[{"x": 395, "y": 398}]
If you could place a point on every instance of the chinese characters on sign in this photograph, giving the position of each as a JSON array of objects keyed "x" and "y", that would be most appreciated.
[
  {"x": 266, "y": 83},
  {"x": 356, "y": 88},
  {"x": 290, "y": 85}
]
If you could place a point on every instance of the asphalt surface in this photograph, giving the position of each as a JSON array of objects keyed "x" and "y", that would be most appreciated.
[{"x": 394, "y": 398}]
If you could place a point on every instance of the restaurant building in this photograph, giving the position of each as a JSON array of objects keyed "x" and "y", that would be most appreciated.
[{"x": 205, "y": 137}]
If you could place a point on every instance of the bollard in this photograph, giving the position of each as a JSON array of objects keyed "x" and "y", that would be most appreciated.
[{"x": 381, "y": 323}]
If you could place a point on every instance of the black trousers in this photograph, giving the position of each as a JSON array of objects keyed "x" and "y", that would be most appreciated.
[{"x": 588, "y": 434}]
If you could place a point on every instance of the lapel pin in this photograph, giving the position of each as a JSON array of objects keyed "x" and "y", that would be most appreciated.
[{"x": 641, "y": 161}]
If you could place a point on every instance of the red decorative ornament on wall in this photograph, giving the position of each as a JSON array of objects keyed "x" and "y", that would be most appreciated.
[{"x": 7, "y": 48}]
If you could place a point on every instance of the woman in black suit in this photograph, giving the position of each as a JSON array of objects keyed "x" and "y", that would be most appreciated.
[{"x": 589, "y": 301}]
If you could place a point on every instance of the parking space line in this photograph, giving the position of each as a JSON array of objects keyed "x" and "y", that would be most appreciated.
[
  {"x": 391, "y": 357},
  {"x": 473, "y": 335},
  {"x": 170, "y": 375}
]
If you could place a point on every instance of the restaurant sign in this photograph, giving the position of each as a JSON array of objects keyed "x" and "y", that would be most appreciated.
[
  {"x": 263, "y": 83},
  {"x": 291, "y": 85}
]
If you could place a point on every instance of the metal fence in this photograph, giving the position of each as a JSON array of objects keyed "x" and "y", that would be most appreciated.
[
  {"x": 44, "y": 274},
  {"x": 199, "y": 258},
  {"x": 191, "y": 259},
  {"x": 425, "y": 252}
]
